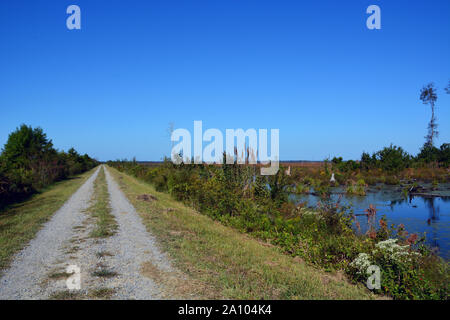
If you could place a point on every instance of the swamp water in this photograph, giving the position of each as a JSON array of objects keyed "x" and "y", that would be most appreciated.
[{"x": 419, "y": 214}]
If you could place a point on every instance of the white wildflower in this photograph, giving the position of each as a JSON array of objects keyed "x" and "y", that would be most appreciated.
[
  {"x": 361, "y": 263},
  {"x": 391, "y": 250}
]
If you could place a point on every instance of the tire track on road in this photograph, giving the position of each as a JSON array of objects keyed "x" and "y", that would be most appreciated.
[{"x": 133, "y": 247}]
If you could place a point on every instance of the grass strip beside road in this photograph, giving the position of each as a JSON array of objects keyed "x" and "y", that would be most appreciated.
[{"x": 20, "y": 222}]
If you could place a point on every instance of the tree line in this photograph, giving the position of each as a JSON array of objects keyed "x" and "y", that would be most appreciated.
[
  {"x": 29, "y": 162},
  {"x": 394, "y": 158}
]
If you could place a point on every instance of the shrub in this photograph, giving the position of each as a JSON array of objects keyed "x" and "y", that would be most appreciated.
[
  {"x": 301, "y": 188},
  {"x": 391, "y": 180},
  {"x": 403, "y": 275},
  {"x": 29, "y": 162},
  {"x": 393, "y": 158},
  {"x": 357, "y": 189}
]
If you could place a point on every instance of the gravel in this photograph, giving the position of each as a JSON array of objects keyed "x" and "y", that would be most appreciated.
[
  {"x": 65, "y": 240},
  {"x": 132, "y": 246},
  {"x": 31, "y": 266}
]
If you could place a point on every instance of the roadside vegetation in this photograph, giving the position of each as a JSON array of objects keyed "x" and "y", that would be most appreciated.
[
  {"x": 29, "y": 163},
  {"x": 100, "y": 209},
  {"x": 221, "y": 262},
  {"x": 238, "y": 196},
  {"x": 20, "y": 222}
]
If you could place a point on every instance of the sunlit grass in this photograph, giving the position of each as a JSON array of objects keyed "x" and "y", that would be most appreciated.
[
  {"x": 19, "y": 223},
  {"x": 100, "y": 209}
]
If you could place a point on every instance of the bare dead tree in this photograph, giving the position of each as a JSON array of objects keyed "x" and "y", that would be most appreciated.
[{"x": 428, "y": 96}]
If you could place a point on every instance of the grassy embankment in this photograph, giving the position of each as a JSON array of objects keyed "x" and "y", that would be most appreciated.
[
  {"x": 20, "y": 222},
  {"x": 230, "y": 264}
]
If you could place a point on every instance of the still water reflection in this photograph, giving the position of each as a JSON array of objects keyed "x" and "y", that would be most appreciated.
[{"x": 422, "y": 215}]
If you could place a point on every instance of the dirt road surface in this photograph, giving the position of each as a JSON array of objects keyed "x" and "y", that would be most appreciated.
[{"x": 109, "y": 267}]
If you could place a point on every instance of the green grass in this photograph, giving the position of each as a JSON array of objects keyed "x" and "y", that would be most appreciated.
[
  {"x": 106, "y": 225},
  {"x": 66, "y": 295},
  {"x": 101, "y": 293},
  {"x": 58, "y": 275},
  {"x": 104, "y": 273},
  {"x": 224, "y": 263},
  {"x": 20, "y": 222}
]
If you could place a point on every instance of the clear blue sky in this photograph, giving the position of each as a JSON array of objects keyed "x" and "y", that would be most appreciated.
[{"x": 309, "y": 68}]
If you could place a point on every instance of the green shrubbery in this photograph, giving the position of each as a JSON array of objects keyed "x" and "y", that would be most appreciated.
[
  {"x": 394, "y": 159},
  {"x": 357, "y": 189},
  {"x": 238, "y": 196},
  {"x": 390, "y": 165},
  {"x": 29, "y": 162},
  {"x": 431, "y": 154},
  {"x": 404, "y": 273}
]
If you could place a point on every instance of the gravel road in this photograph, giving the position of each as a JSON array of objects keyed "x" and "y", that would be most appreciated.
[
  {"x": 132, "y": 247},
  {"x": 38, "y": 271}
]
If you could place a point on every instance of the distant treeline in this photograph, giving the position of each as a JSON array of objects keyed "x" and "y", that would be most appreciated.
[
  {"x": 29, "y": 162},
  {"x": 391, "y": 165},
  {"x": 394, "y": 158}
]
